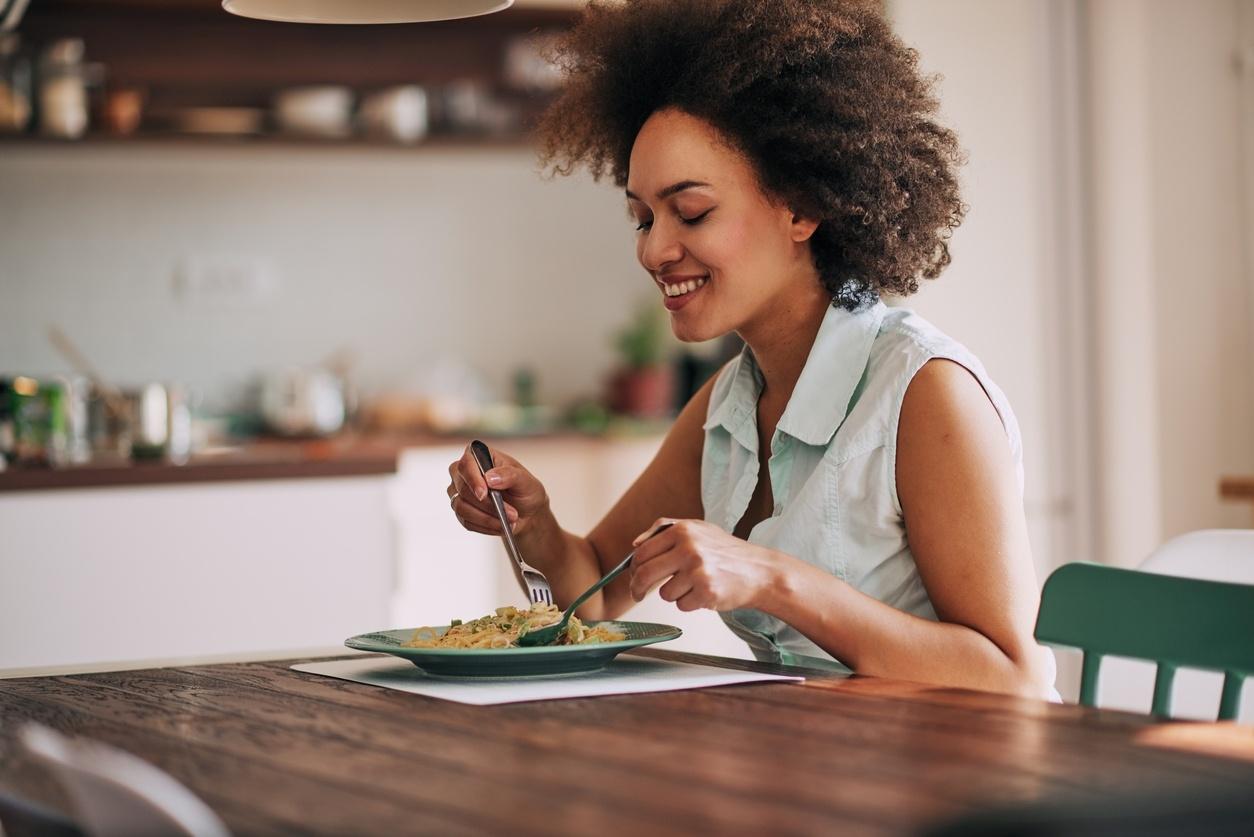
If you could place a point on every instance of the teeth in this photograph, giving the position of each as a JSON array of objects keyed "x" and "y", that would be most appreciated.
[{"x": 681, "y": 288}]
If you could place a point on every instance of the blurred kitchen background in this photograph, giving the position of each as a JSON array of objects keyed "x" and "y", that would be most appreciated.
[{"x": 328, "y": 254}]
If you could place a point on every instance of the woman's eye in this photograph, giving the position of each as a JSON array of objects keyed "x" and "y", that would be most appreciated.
[{"x": 645, "y": 224}]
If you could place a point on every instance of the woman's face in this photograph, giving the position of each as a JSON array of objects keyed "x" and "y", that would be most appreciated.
[{"x": 723, "y": 256}]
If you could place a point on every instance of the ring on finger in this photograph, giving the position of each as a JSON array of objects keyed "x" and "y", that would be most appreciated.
[{"x": 453, "y": 497}]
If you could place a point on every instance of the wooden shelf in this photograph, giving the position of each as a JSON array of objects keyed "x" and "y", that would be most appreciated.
[
  {"x": 1236, "y": 488},
  {"x": 148, "y": 139},
  {"x": 191, "y": 53}
]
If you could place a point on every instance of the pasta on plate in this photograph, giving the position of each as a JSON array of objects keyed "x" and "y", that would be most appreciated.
[{"x": 503, "y": 628}]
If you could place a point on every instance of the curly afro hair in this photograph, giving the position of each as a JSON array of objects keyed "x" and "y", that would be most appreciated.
[{"x": 824, "y": 100}]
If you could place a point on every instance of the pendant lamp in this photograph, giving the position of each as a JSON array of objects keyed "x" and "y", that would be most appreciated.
[{"x": 363, "y": 11}]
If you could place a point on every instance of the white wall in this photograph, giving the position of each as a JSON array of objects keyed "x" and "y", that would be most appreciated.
[
  {"x": 1173, "y": 305},
  {"x": 1102, "y": 272},
  {"x": 995, "y": 296},
  {"x": 402, "y": 255},
  {"x": 1103, "y": 285},
  {"x": 1200, "y": 230}
]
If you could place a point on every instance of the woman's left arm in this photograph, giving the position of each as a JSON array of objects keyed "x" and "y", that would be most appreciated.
[{"x": 959, "y": 493}]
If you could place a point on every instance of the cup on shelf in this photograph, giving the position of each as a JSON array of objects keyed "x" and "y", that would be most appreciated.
[
  {"x": 124, "y": 110},
  {"x": 396, "y": 113}
]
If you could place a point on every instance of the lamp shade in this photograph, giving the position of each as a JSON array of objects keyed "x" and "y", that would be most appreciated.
[{"x": 363, "y": 11}]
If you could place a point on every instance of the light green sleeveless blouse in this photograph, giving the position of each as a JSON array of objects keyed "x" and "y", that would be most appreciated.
[{"x": 832, "y": 464}]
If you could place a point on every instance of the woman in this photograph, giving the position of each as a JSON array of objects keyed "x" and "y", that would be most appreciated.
[{"x": 848, "y": 490}]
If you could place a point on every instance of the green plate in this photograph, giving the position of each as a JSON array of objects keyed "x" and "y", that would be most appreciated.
[{"x": 542, "y": 661}]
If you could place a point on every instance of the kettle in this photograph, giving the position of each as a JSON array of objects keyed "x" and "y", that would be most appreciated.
[{"x": 303, "y": 402}]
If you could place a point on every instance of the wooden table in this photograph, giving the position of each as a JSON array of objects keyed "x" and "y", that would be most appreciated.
[{"x": 276, "y": 751}]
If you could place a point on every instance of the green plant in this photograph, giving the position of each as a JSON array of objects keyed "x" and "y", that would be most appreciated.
[{"x": 642, "y": 342}]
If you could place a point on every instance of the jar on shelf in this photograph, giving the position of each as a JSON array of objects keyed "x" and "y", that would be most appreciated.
[{"x": 63, "y": 90}]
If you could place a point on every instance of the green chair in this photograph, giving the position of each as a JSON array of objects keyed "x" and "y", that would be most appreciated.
[{"x": 1172, "y": 621}]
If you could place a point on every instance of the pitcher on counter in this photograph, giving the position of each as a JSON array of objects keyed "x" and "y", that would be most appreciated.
[{"x": 848, "y": 491}]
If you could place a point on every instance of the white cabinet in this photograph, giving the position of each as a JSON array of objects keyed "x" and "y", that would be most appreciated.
[
  {"x": 134, "y": 573},
  {"x": 446, "y": 572},
  {"x": 100, "y": 575}
]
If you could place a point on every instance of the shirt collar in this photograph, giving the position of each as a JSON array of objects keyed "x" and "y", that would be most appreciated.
[
  {"x": 738, "y": 411},
  {"x": 837, "y": 360},
  {"x": 821, "y": 398}
]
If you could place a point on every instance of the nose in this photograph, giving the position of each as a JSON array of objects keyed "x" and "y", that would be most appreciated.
[{"x": 659, "y": 247}]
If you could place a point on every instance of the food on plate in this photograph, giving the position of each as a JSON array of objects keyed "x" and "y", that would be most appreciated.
[{"x": 502, "y": 630}]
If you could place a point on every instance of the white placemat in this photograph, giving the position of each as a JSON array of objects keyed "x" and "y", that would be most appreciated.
[{"x": 621, "y": 676}]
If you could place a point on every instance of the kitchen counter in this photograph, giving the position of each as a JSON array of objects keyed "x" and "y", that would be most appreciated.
[
  {"x": 254, "y": 461},
  {"x": 299, "y": 543},
  {"x": 343, "y": 456}
]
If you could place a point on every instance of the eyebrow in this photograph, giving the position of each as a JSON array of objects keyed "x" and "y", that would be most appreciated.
[{"x": 673, "y": 189}]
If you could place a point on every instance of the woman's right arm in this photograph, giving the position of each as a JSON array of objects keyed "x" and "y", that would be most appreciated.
[{"x": 669, "y": 487}]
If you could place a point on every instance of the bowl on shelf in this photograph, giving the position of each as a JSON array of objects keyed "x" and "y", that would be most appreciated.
[{"x": 319, "y": 111}]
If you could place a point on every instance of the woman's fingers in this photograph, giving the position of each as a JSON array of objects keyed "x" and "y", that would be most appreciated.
[
  {"x": 466, "y": 480},
  {"x": 468, "y": 492},
  {"x": 677, "y": 588},
  {"x": 470, "y": 475},
  {"x": 691, "y": 601},
  {"x": 650, "y": 548},
  {"x": 473, "y": 517},
  {"x": 655, "y": 558},
  {"x": 459, "y": 483},
  {"x": 647, "y": 533},
  {"x": 653, "y": 572}
]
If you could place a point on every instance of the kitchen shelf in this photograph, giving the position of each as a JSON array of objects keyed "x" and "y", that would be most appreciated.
[
  {"x": 260, "y": 141},
  {"x": 191, "y": 54}
]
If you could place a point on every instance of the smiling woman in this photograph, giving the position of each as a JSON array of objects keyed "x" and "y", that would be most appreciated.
[{"x": 847, "y": 492}]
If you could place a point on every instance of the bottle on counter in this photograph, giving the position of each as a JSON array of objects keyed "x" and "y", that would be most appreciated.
[
  {"x": 15, "y": 85},
  {"x": 33, "y": 422}
]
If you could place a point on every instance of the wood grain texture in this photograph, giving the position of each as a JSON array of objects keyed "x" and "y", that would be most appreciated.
[
  {"x": 347, "y": 455},
  {"x": 274, "y": 750},
  {"x": 1236, "y": 488}
]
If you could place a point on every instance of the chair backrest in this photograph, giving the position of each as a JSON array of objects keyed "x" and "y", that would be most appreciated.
[
  {"x": 117, "y": 794},
  {"x": 19, "y": 816},
  {"x": 1172, "y": 621}
]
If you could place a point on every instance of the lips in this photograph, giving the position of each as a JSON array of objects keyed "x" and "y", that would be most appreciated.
[
  {"x": 677, "y": 285},
  {"x": 677, "y": 290}
]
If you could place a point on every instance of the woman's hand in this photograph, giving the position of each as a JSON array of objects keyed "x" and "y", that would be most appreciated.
[
  {"x": 524, "y": 495},
  {"x": 707, "y": 567}
]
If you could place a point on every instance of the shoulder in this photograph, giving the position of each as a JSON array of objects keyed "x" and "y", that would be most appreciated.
[
  {"x": 904, "y": 344},
  {"x": 914, "y": 361},
  {"x": 945, "y": 397},
  {"x": 906, "y": 339},
  {"x": 951, "y": 448}
]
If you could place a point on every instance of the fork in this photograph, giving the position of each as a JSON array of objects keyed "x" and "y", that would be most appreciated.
[
  {"x": 532, "y": 580},
  {"x": 545, "y": 636}
]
